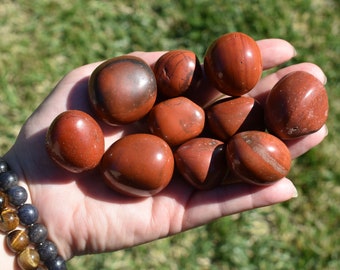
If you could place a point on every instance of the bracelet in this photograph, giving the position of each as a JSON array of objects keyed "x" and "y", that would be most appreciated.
[{"x": 32, "y": 248}]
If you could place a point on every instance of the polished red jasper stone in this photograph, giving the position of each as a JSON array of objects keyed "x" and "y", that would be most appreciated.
[
  {"x": 258, "y": 157},
  {"x": 138, "y": 165},
  {"x": 122, "y": 90},
  {"x": 176, "y": 120},
  {"x": 231, "y": 115},
  {"x": 75, "y": 141},
  {"x": 176, "y": 72},
  {"x": 233, "y": 63},
  {"x": 202, "y": 162},
  {"x": 296, "y": 106}
]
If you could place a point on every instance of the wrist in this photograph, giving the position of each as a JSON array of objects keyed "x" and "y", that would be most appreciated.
[{"x": 19, "y": 217}]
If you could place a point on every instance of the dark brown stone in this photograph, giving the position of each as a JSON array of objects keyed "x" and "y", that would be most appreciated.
[{"x": 122, "y": 90}]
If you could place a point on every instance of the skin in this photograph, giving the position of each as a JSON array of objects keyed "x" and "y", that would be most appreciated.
[{"x": 84, "y": 216}]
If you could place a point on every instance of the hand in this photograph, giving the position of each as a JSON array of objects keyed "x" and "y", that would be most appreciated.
[{"x": 83, "y": 215}]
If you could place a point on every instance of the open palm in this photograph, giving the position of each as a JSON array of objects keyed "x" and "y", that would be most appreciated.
[{"x": 84, "y": 216}]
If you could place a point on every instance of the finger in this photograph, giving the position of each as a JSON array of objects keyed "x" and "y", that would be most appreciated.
[
  {"x": 263, "y": 87},
  {"x": 210, "y": 205},
  {"x": 275, "y": 52},
  {"x": 300, "y": 146}
]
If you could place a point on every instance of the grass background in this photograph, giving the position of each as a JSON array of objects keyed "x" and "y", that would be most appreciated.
[{"x": 43, "y": 40}]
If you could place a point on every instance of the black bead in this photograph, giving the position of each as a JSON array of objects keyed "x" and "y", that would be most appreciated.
[
  {"x": 3, "y": 165},
  {"x": 37, "y": 233},
  {"x": 47, "y": 251},
  {"x": 57, "y": 264},
  {"x": 8, "y": 179},
  {"x": 17, "y": 195},
  {"x": 28, "y": 214}
]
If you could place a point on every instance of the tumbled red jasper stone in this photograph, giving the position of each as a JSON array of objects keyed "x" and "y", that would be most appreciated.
[
  {"x": 202, "y": 162},
  {"x": 75, "y": 141},
  {"x": 176, "y": 72},
  {"x": 258, "y": 157},
  {"x": 231, "y": 115},
  {"x": 233, "y": 63},
  {"x": 296, "y": 106},
  {"x": 122, "y": 90},
  {"x": 176, "y": 120},
  {"x": 138, "y": 165}
]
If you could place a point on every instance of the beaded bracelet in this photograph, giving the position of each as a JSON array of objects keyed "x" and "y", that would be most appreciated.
[{"x": 32, "y": 249}]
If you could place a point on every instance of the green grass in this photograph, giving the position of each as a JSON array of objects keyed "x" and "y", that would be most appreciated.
[{"x": 43, "y": 40}]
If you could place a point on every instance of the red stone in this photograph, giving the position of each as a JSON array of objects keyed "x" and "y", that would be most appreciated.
[
  {"x": 296, "y": 106},
  {"x": 176, "y": 120},
  {"x": 202, "y": 162},
  {"x": 138, "y": 165},
  {"x": 122, "y": 90},
  {"x": 258, "y": 157},
  {"x": 233, "y": 63},
  {"x": 75, "y": 141},
  {"x": 228, "y": 116},
  {"x": 176, "y": 72}
]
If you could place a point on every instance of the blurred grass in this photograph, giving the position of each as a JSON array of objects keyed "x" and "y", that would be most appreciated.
[{"x": 43, "y": 40}]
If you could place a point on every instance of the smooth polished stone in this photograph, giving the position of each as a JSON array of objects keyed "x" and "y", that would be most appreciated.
[
  {"x": 8, "y": 179},
  {"x": 138, "y": 165},
  {"x": 28, "y": 259},
  {"x": 57, "y": 264},
  {"x": 176, "y": 120},
  {"x": 47, "y": 250},
  {"x": 202, "y": 162},
  {"x": 37, "y": 233},
  {"x": 3, "y": 200},
  {"x": 9, "y": 220},
  {"x": 17, "y": 195},
  {"x": 176, "y": 72},
  {"x": 28, "y": 214},
  {"x": 258, "y": 157},
  {"x": 229, "y": 116},
  {"x": 17, "y": 240},
  {"x": 122, "y": 90},
  {"x": 296, "y": 106},
  {"x": 75, "y": 141},
  {"x": 233, "y": 63}
]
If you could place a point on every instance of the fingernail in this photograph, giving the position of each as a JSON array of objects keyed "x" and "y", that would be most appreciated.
[
  {"x": 325, "y": 79},
  {"x": 295, "y": 193},
  {"x": 295, "y": 52}
]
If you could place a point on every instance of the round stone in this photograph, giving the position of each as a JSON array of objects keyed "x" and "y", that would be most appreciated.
[
  {"x": 28, "y": 214},
  {"x": 56, "y": 264},
  {"x": 8, "y": 179},
  {"x": 233, "y": 63},
  {"x": 258, "y": 157},
  {"x": 17, "y": 195},
  {"x": 75, "y": 141},
  {"x": 47, "y": 250},
  {"x": 28, "y": 259},
  {"x": 176, "y": 120},
  {"x": 9, "y": 220},
  {"x": 37, "y": 233},
  {"x": 138, "y": 165},
  {"x": 122, "y": 90},
  {"x": 176, "y": 72},
  {"x": 17, "y": 240},
  {"x": 296, "y": 106}
]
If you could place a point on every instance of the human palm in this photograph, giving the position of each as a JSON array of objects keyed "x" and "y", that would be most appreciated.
[{"x": 84, "y": 216}]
